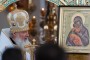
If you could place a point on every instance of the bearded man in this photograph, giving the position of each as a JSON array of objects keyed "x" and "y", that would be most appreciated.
[{"x": 17, "y": 34}]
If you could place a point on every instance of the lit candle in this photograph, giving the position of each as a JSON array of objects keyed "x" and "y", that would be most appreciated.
[
  {"x": 34, "y": 20},
  {"x": 42, "y": 9},
  {"x": 42, "y": 12},
  {"x": 55, "y": 27},
  {"x": 46, "y": 27},
  {"x": 34, "y": 17}
]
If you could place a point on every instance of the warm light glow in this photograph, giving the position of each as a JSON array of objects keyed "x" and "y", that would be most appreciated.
[
  {"x": 43, "y": 12},
  {"x": 45, "y": 27},
  {"x": 11, "y": 7},
  {"x": 43, "y": 9},
  {"x": 34, "y": 17},
  {"x": 55, "y": 27},
  {"x": 34, "y": 40}
]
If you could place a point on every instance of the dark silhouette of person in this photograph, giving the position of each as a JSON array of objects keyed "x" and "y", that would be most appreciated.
[
  {"x": 79, "y": 35},
  {"x": 50, "y": 51},
  {"x": 12, "y": 54}
]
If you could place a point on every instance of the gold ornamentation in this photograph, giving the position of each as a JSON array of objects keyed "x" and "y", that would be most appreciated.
[
  {"x": 18, "y": 20},
  {"x": 2, "y": 8}
]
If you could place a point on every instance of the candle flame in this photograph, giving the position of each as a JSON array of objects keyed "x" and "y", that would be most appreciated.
[
  {"x": 42, "y": 9},
  {"x": 34, "y": 17}
]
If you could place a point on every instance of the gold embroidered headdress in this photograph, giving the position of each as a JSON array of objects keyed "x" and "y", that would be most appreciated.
[{"x": 18, "y": 20}]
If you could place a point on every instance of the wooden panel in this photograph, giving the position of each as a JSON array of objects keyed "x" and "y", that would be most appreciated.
[{"x": 78, "y": 56}]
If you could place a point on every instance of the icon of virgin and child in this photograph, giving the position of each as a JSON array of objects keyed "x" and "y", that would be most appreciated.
[{"x": 79, "y": 35}]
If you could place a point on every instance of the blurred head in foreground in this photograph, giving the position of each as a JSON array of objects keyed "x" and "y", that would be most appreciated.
[
  {"x": 50, "y": 51},
  {"x": 12, "y": 54}
]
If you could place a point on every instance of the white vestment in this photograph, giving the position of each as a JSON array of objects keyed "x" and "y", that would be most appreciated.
[{"x": 5, "y": 42}]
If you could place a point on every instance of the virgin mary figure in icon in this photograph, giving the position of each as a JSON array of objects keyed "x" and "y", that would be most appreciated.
[{"x": 79, "y": 35}]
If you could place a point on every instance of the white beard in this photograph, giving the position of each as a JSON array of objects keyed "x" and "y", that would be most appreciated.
[{"x": 22, "y": 43}]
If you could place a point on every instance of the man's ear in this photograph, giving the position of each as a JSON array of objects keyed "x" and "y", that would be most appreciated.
[{"x": 14, "y": 34}]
